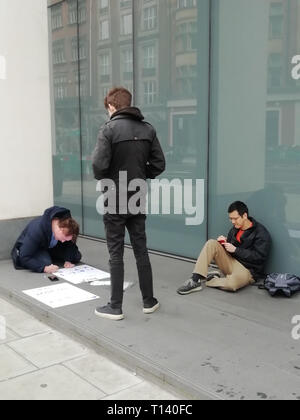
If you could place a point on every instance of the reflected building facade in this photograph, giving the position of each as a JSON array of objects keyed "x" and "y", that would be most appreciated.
[{"x": 219, "y": 93}]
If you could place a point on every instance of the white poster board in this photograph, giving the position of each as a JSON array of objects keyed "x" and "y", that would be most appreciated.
[
  {"x": 81, "y": 274},
  {"x": 60, "y": 295},
  {"x": 126, "y": 286}
]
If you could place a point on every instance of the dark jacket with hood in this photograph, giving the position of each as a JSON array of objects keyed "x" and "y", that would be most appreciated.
[
  {"x": 128, "y": 143},
  {"x": 37, "y": 237},
  {"x": 254, "y": 248}
]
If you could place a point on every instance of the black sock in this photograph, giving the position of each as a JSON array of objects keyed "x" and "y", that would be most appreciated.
[{"x": 197, "y": 277}]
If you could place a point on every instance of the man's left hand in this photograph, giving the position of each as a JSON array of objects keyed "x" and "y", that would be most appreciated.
[
  {"x": 68, "y": 265},
  {"x": 229, "y": 247}
]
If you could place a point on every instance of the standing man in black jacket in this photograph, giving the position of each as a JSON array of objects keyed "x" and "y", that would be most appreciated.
[
  {"x": 126, "y": 144},
  {"x": 241, "y": 256}
]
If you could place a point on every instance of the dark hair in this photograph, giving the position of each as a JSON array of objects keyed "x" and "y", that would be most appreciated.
[
  {"x": 71, "y": 226},
  {"x": 118, "y": 97},
  {"x": 240, "y": 207}
]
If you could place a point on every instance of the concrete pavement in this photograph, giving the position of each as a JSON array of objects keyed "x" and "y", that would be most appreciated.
[
  {"x": 39, "y": 363},
  {"x": 208, "y": 345}
]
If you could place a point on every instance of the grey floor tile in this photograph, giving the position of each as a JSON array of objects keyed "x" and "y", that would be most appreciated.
[
  {"x": 143, "y": 391},
  {"x": 12, "y": 365},
  {"x": 24, "y": 324},
  {"x": 9, "y": 336},
  {"x": 104, "y": 374},
  {"x": 5, "y": 307},
  {"x": 48, "y": 349},
  {"x": 54, "y": 383}
]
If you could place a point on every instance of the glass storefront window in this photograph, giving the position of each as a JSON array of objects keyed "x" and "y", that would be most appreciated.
[
  {"x": 66, "y": 111},
  {"x": 255, "y": 118},
  {"x": 215, "y": 79}
]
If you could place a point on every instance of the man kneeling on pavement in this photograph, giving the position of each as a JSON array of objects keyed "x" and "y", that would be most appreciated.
[
  {"x": 47, "y": 239},
  {"x": 241, "y": 256}
]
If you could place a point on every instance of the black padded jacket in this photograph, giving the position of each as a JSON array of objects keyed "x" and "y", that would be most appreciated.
[
  {"x": 254, "y": 248},
  {"x": 127, "y": 143}
]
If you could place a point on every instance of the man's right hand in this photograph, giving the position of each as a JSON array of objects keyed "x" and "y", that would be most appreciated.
[
  {"x": 50, "y": 269},
  {"x": 222, "y": 239}
]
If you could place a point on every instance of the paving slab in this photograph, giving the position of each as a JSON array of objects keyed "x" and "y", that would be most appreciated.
[
  {"x": 103, "y": 373},
  {"x": 53, "y": 383},
  {"x": 8, "y": 336},
  {"x": 208, "y": 345},
  {"x": 24, "y": 325},
  {"x": 48, "y": 349},
  {"x": 6, "y": 308},
  {"x": 143, "y": 391},
  {"x": 13, "y": 364}
]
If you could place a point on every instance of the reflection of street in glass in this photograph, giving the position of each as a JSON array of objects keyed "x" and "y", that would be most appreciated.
[
  {"x": 286, "y": 175},
  {"x": 276, "y": 210}
]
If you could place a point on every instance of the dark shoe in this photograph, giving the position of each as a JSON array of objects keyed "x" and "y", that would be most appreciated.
[
  {"x": 150, "y": 308},
  {"x": 108, "y": 312},
  {"x": 190, "y": 286},
  {"x": 213, "y": 274}
]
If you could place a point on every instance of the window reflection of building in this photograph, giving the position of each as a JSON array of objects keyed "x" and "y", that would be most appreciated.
[
  {"x": 127, "y": 62},
  {"x": 56, "y": 17},
  {"x": 104, "y": 30},
  {"x": 82, "y": 11},
  {"x": 104, "y": 74},
  {"x": 105, "y": 67},
  {"x": 150, "y": 18},
  {"x": 186, "y": 50},
  {"x": 162, "y": 54},
  {"x": 182, "y": 102},
  {"x": 103, "y": 5},
  {"x": 149, "y": 58},
  {"x": 65, "y": 49},
  {"x": 276, "y": 21},
  {"x": 148, "y": 53},
  {"x": 114, "y": 48},
  {"x": 150, "y": 92},
  {"x": 149, "y": 72},
  {"x": 183, "y": 4},
  {"x": 125, "y": 4},
  {"x": 166, "y": 54},
  {"x": 83, "y": 51},
  {"x": 72, "y": 11},
  {"x": 186, "y": 37},
  {"x": 125, "y": 47},
  {"x": 58, "y": 52},
  {"x": 82, "y": 83},
  {"x": 68, "y": 84},
  {"x": 126, "y": 24},
  {"x": 79, "y": 52},
  {"x": 282, "y": 131},
  {"x": 275, "y": 67},
  {"x": 60, "y": 87},
  {"x": 282, "y": 123}
]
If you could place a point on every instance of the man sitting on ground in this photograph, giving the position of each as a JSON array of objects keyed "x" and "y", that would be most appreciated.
[{"x": 241, "y": 256}]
